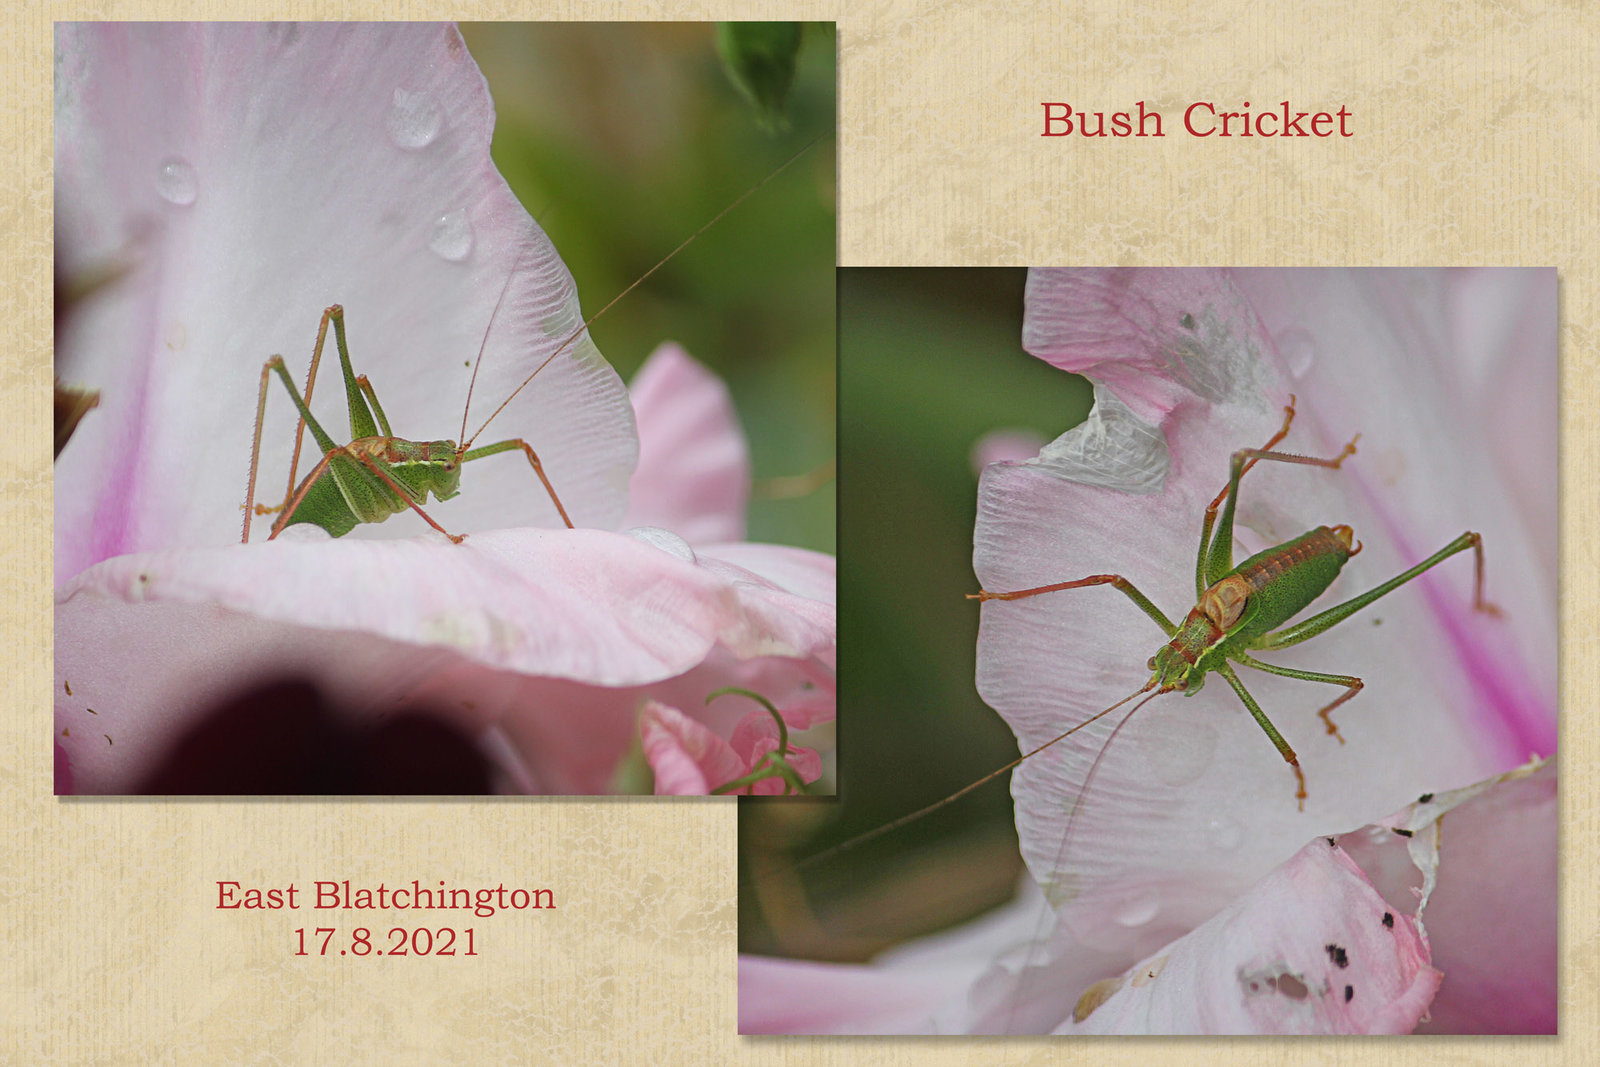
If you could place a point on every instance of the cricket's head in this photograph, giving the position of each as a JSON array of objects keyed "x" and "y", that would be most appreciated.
[
  {"x": 1173, "y": 670},
  {"x": 436, "y": 466}
]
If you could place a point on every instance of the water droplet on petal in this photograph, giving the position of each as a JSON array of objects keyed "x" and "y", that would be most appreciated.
[
  {"x": 1138, "y": 908},
  {"x": 451, "y": 237},
  {"x": 177, "y": 182},
  {"x": 665, "y": 540},
  {"x": 1299, "y": 350},
  {"x": 414, "y": 119}
]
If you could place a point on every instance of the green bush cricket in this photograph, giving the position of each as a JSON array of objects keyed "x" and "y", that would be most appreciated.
[
  {"x": 379, "y": 474},
  {"x": 1238, "y": 610}
]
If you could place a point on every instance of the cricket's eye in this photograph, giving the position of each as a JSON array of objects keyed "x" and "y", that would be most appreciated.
[{"x": 1152, "y": 664}]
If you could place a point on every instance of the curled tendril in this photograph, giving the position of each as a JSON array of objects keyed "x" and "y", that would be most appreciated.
[{"x": 774, "y": 764}]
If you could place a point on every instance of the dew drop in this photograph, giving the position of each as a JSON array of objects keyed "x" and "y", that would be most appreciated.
[
  {"x": 177, "y": 182},
  {"x": 1299, "y": 351},
  {"x": 665, "y": 540},
  {"x": 414, "y": 119},
  {"x": 452, "y": 236},
  {"x": 1137, "y": 909}
]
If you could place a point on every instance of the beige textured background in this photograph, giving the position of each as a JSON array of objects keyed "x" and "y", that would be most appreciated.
[{"x": 1476, "y": 144}]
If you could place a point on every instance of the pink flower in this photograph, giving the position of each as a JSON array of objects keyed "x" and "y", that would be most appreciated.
[
  {"x": 249, "y": 175},
  {"x": 689, "y": 758},
  {"x": 290, "y": 167},
  {"x": 1189, "y": 828}
]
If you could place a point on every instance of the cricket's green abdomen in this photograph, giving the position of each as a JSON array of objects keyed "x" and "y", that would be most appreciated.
[
  {"x": 323, "y": 505},
  {"x": 1284, "y": 579},
  {"x": 346, "y": 492}
]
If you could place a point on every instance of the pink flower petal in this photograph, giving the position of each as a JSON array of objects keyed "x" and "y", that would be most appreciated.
[
  {"x": 1343, "y": 911},
  {"x": 1005, "y": 446},
  {"x": 159, "y": 640},
  {"x": 1427, "y": 467},
  {"x": 694, "y": 466},
  {"x": 1188, "y": 370},
  {"x": 688, "y": 758},
  {"x": 571, "y": 737},
  {"x": 572, "y": 604},
  {"x": 1492, "y": 918},
  {"x": 1305, "y": 951},
  {"x": 1186, "y": 376},
  {"x": 800, "y": 997},
  {"x": 352, "y": 163},
  {"x": 755, "y": 736},
  {"x": 1479, "y": 866}
]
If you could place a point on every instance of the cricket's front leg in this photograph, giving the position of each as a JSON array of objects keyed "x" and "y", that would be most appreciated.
[{"x": 533, "y": 460}]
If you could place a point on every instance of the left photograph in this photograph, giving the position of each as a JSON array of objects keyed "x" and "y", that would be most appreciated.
[{"x": 444, "y": 410}]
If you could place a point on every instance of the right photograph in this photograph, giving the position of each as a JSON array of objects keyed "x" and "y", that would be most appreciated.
[{"x": 1245, "y": 582}]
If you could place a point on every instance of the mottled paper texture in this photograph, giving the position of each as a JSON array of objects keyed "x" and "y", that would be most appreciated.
[{"x": 1475, "y": 143}]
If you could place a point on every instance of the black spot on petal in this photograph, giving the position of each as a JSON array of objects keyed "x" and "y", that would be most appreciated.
[
  {"x": 1349, "y": 991},
  {"x": 1388, "y": 920},
  {"x": 1337, "y": 955}
]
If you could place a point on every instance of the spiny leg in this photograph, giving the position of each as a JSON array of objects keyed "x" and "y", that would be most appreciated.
[
  {"x": 311, "y": 383},
  {"x": 324, "y": 442},
  {"x": 1216, "y": 554},
  {"x": 1115, "y": 580},
  {"x": 533, "y": 458},
  {"x": 1266, "y": 724},
  {"x": 250, "y": 509},
  {"x": 297, "y": 498},
  {"x": 1350, "y": 681}
]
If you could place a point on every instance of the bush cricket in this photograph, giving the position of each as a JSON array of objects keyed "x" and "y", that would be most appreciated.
[
  {"x": 1238, "y": 611},
  {"x": 378, "y": 474}
]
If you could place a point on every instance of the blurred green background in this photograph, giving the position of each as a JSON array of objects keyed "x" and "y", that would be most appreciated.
[
  {"x": 622, "y": 140},
  {"x": 930, "y": 361}
]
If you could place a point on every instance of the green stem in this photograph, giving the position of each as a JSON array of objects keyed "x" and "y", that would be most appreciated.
[{"x": 783, "y": 727}]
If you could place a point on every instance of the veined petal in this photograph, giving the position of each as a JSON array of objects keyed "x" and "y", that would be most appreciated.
[
  {"x": 250, "y": 175},
  {"x": 1305, "y": 951},
  {"x": 1187, "y": 372},
  {"x": 160, "y": 638}
]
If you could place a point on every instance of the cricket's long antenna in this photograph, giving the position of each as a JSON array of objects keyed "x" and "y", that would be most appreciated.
[
  {"x": 958, "y": 794},
  {"x": 482, "y": 345},
  {"x": 639, "y": 281},
  {"x": 1066, "y": 836}
]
